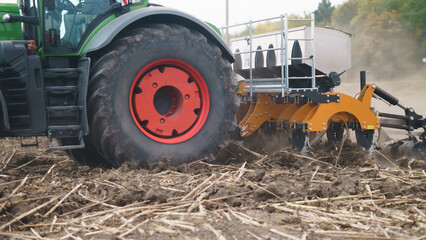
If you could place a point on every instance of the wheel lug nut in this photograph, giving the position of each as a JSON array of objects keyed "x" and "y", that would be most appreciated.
[
  {"x": 186, "y": 96},
  {"x": 162, "y": 120},
  {"x": 174, "y": 107},
  {"x": 154, "y": 85}
]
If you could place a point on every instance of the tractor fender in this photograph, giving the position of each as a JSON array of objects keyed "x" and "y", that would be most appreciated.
[{"x": 156, "y": 15}]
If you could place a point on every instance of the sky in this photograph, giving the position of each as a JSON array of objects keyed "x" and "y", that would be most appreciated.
[{"x": 240, "y": 11}]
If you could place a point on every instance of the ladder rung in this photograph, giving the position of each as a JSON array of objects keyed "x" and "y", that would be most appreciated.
[
  {"x": 66, "y": 147},
  {"x": 17, "y": 104},
  {"x": 60, "y": 88},
  {"x": 62, "y": 70},
  {"x": 19, "y": 116},
  {"x": 68, "y": 127},
  {"x": 63, "y": 108}
]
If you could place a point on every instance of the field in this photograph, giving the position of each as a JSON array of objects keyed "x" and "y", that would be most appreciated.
[
  {"x": 340, "y": 192},
  {"x": 259, "y": 189},
  {"x": 268, "y": 192}
]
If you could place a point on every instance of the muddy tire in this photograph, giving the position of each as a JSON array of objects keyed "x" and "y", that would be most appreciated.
[
  {"x": 86, "y": 156},
  {"x": 161, "y": 92}
]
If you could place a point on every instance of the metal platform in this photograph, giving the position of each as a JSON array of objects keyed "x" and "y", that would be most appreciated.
[{"x": 291, "y": 60}]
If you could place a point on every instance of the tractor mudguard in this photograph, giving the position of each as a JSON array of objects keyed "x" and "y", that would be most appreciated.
[{"x": 156, "y": 15}]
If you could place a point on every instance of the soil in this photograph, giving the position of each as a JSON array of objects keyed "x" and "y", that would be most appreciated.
[{"x": 241, "y": 195}]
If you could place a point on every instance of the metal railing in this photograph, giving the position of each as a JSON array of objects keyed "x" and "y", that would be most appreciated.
[{"x": 280, "y": 84}]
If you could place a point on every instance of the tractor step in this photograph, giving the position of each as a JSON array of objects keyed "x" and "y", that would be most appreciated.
[
  {"x": 32, "y": 144},
  {"x": 70, "y": 131},
  {"x": 65, "y": 92},
  {"x": 62, "y": 70},
  {"x": 63, "y": 108},
  {"x": 61, "y": 89},
  {"x": 63, "y": 73},
  {"x": 69, "y": 127},
  {"x": 64, "y": 131}
]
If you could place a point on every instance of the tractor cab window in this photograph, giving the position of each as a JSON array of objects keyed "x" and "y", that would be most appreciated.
[{"x": 66, "y": 22}]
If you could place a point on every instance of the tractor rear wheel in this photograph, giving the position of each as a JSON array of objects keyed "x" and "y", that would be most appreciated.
[{"x": 161, "y": 92}]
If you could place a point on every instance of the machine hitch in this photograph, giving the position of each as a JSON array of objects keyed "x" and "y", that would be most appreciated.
[{"x": 409, "y": 122}]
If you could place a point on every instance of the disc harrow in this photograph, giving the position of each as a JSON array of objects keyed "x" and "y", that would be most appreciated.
[{"x": 290, "y": 88}]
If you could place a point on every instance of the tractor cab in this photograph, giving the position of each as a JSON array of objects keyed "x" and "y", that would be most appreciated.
[
  {"x": 67, "y": 22},
  {"x": 60, "y": 26}
]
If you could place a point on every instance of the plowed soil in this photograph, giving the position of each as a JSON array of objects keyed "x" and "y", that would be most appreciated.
[{"x": 242, "y": 195}]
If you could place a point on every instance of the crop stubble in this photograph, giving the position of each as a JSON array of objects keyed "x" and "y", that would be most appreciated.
[{"x": 242, "y": 195}]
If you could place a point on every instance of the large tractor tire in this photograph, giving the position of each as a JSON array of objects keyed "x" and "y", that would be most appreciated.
[
  {"x": 161, "y": 92},
  {"x": 85, "y": 156}
]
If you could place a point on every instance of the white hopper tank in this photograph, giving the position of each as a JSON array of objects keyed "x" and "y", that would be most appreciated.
[{"x": 332, "y": 47}]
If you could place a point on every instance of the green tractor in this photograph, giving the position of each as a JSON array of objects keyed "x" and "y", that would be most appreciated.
[{"x": 115, "y": 81}]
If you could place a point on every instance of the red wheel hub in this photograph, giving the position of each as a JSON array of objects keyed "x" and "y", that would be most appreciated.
[{"x": 169, "y": 101}]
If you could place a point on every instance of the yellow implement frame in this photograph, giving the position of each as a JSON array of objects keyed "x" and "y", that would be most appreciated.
[{"x": 313, "y": 116}]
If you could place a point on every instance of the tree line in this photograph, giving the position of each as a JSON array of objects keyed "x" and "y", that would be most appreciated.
[{"x": 388, "y": 36}]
